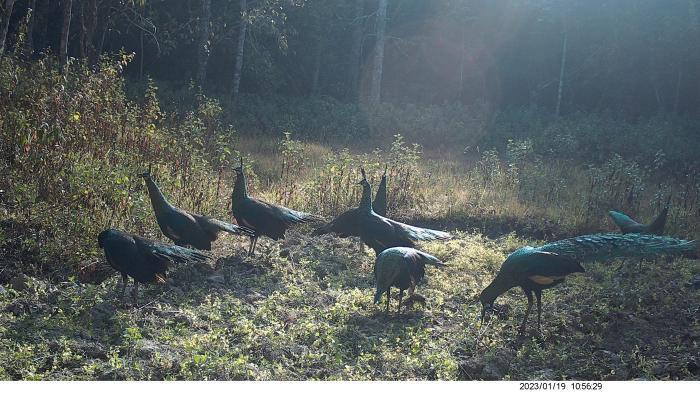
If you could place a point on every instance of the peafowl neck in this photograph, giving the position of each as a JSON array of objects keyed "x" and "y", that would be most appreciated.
[
  {"x": 157, "y": 198},
  {"x": 240, "y": 188},
  {"x": 497, "y": 287},
  {"x": 366, "y": 201},
  {"x": 657, "y": 227}
]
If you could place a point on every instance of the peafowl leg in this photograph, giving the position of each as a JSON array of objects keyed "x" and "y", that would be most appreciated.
[
  {"x": 125, "y": 280},
  {"x": 135, "y": 293},
  {"x": 251, "y": 248},
  {"x": 528, "y": 293},
  {"x": 538, "y": 295},
  {"x": 388, "y": 296},
  {"x": 400, "y": 297}
]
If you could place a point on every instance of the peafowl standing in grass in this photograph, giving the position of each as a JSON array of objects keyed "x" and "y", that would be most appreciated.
[
  {"x": 184, "y": 228},
  {"x": 379, "y": 204},
  {"x": 260, "y": 217},
  {"x": 141, "y": 259},
  {"x": 535, "y": 269},
  {"x": 348, "y": 223},
  {"x": 403, "y": 268},
  {"x": 381, "y": 233}
]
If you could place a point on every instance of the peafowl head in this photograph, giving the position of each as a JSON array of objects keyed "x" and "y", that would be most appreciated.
[
  {"x": 147, "y": 174},
  {"x": 363, "y": 182},
  {"x": 239, "y": 168},
  {"x": 102, "y": 237},
  {"x": 386, "y": 166}
]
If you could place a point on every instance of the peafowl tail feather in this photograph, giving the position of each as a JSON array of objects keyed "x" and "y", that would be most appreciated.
[{"x": 613, "y": 245}]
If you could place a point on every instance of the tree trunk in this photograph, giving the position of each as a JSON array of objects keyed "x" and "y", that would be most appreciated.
[
  {"x": 5, "y": 24},
  {"x": 356, "y": 50},
  {"x": 318, "y": 50},
  {"x": 88, "y": 14},
  {"x": 562, "y": 69},
  {"x": 238, "y": 67},
  {"x": 376, "y": 86},
  {"x": 29, "y": 39},
  {"x": 65, "y": 30},
  {"x": 142, "y": 51},
  {"x": 203, "y": 43}
]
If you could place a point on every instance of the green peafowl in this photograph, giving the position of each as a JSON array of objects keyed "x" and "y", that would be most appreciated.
[
  {"x": 380, "y": 233},
  {"x": 628, "y": 225},
  {"x": 260, "y": 217},
  {"x": 403, "y": 268},
  {"x": 348, "y": 223},
  {"x": 379, "y": 203},
  {"x": 184, "y": 228},
  {"x": 142, "y": 259},
  {"x": 537, "y": 268}
]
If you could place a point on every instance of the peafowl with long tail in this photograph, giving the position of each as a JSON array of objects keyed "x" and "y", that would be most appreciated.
[
  {"x": 143, "y": 260},
  {"x": 402, "y": 268},
  {"x": 379, "y": 204},
  {"x": 380, "y": 233},
  {"x": 535, "y": 269},
  {"x": 182, "y": 227},
  {"x": 262, "y": 218}
]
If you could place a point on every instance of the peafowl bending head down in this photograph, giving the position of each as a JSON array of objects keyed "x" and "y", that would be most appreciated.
[{"x": 145, "y": 175}]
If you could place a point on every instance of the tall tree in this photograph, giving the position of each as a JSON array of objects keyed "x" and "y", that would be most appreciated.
[
  {"x": 5, "y": 24},
  {"x": 238, "y": 67},
  {"x": 358, "y": 23},
  {"x": 29, "y": 39},
  {"x": 88, "y": 24},
  {"x": 65, "y": 30},
  {"x": 204, "y": 43},
  {"x": 376, "y": 86}
]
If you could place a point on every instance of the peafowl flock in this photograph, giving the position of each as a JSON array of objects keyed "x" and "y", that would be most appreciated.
[
  {"x": 183, "y": 228},
  {"x": 260, "y": 217},
  {"x": 535, "y": 269},
  {"x": 141, "y": 259},
  {"x": 403, "y": 268}
]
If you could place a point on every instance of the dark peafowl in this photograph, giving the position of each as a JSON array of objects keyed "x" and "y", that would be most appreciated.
[
  {"x": 379, "y": 203},
  {"x": 535, "y": 269},
  {"x": 141, "y": 259},
  {"x": 348, "y": 223},
  {"x": 261, "y": 217},
  {"x": 403, "y": 268},
  {"x": 376, "y": 231},
  {"x": 183, "y": 228}
]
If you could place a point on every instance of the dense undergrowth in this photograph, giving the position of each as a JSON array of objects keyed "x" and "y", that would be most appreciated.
[{"x": 72, "y": 143}]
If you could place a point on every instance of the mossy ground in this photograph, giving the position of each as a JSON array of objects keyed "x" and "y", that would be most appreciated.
[{"x": 302, "y": 309}]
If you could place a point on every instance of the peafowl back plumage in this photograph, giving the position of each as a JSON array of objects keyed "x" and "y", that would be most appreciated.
[{"x": 400, "y": 267}]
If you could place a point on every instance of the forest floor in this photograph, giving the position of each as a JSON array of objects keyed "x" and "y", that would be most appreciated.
[{"x": 302, "y": 309}]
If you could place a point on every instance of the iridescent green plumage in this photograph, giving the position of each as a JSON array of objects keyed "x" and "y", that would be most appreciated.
[
  {"x": 402, "y": 268},
  {"x": 537, "y": 268}
]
